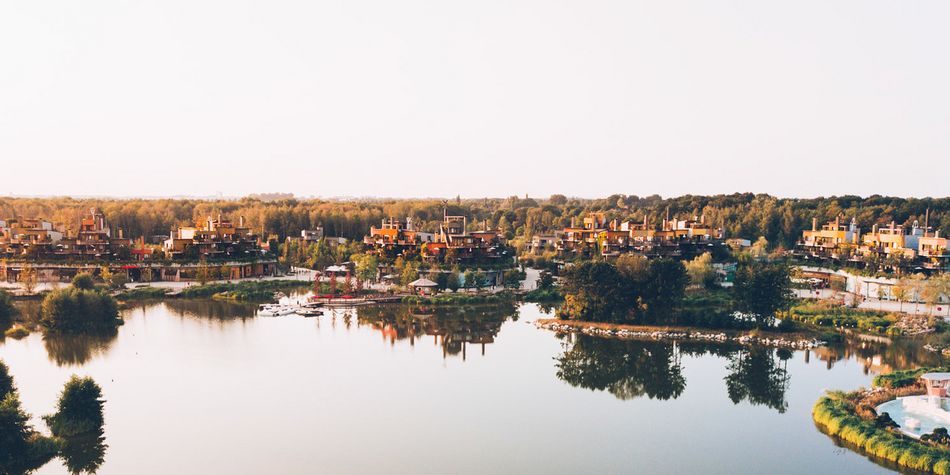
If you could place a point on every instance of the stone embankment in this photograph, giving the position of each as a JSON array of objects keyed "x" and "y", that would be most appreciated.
[{"x": 640, "y": 333}]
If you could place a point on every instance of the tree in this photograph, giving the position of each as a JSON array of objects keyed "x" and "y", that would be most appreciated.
[
  {"x": 203, "y": 272},
  {"x": 409, "y": 273},
  {"x": 366, "y": 266},
  {"x": 545, "y": 280},
  {"x": 28, "y": 278},
  {"x": 7, "y": 310},
  {"x": 21, "y": 447},
  {"x": 84, "y": 281},
  {"x": 899, "y": 290},
  {"x": 479, "y": 281},
  {"x": 761, "y": 290},
  {"x": 6, "y": 381},
  {"x": 701, "y": 272},
  {"x": 79, "y": 308},
  {"x": 664, "y": 289},
  {"x": 79, "y": 410},
  {"x": 452, "y": 282},
  {"x": 931, "y": 291},
  {"x": 513, "y": 278},
  {"x": 105, "y": 274},
  {"x": 469, "y": 278},
  {"x": 760, "y": 247},
  {"x": 595, "y": 291}
]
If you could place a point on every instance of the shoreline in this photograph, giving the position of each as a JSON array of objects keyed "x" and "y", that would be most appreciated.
[{"x": 674, "y": 333}]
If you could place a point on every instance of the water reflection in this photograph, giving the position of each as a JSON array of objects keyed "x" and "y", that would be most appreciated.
[
  {"x": 452, "y": 328},
  {"x": 626, "y": 369},
  {"x": 84, "y": 453},
  {"x": 630, "y": 369},
  {"x": 71, "y": 349},
  {"x": 756, "y": 376},
  {"x": 210, "y": 308}
]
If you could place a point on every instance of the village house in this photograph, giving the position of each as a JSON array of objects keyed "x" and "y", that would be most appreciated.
[
  {"x": 920, "y": 246},
  {"x": 213, "y": 238},
  {"x": 453, "y": 244},
  {"x": 831, "y": 239},
  {"x": 673, "y": 237}
]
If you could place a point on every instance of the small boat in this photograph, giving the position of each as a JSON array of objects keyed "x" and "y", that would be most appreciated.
[
  {"x": 274, "y": 310},
  {"x": 309, "y": 312}
]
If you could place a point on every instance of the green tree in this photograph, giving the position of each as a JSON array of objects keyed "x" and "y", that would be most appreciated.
[
  {"x": 79, "y": 410},
  {"x": 7, "y": 310},
  {"x": 452, "y": 283},
  {"x": 6, "y": 381},
  {"x": 700, "y": 270},
  {"x": 83, "y": 281},
  {"x": 79, "y": 308},
  {"x": 761, "y": 290},
  {"x": 513, "y": 278},
  {"x": 410, "y": 273},
  {"x": 469, "y": 278},
  {"x": 664, "y": 289},
  {"x": 595, "y": 291}
]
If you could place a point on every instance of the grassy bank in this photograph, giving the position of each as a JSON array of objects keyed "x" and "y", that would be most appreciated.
[
  {"x": 835, "y": 414},
  {"x": 827, "y": 314},
  {"x": 257, "y": 290},
  {"x": 904, "y": 378},
  {"x": 462, "y": 299}
]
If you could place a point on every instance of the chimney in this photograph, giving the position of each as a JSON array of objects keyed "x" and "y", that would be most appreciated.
[
  {"x": 572, "y": 221},
  {"x": 837, "y": 222},
  {"x": 241, "y": 221},
  {"x": 120, "y": 234},
  {"x": 814, "y": 224}
]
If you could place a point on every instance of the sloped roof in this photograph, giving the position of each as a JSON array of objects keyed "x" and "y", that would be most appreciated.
[{"x": 423, "y": 282}]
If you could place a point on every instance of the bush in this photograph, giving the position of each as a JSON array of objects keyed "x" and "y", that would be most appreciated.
[
  {"x": 84, "y": 281},
  {"x": 79, "y": 410},
  {"x": 7, "y": 310},
  {"x": 142, "y": 293},
  {"x": 77, "y": 309},
  {"x": 21, "y": 448}
]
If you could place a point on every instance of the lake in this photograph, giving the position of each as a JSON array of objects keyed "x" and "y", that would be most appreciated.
[{"x": 206, "y": 387}]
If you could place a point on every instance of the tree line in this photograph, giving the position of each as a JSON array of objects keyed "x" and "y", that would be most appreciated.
[{"x": 741, "y": 215}]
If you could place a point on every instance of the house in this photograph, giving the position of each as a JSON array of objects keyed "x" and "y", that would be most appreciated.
[
  {"x": 831, "y": 239},
  {"x": 213, "y": 238}
]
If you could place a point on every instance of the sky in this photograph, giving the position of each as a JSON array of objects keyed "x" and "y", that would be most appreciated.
[{"x": 487, "y": 98}]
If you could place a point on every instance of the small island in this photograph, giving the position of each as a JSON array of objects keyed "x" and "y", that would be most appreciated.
[{"x": 902, "y": 419}]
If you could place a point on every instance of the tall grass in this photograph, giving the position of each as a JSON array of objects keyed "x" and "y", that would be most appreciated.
[{"x": 907, "y": 377}]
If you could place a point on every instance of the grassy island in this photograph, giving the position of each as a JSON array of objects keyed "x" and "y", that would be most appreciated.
[
  {"x": 79, "y": 307},
  {"x": 851, "y": 418}
]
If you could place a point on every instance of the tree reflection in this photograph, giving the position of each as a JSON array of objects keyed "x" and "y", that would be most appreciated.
[
  {"x": 452, "y": 328},
  {"x": 626, "y": 369},
  {"x": 67, "y": 349},
  {"x": 756, "y": 376},
  {"x": 84, "y": 453}
]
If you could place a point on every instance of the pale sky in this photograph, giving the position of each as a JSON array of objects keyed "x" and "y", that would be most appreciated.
[{"x": 479, "y": 98}]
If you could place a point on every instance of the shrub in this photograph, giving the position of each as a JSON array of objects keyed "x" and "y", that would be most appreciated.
[
  {"x": 7, "y": 310},
  {"x": 79, "y": 410},
  {"x": 907, "y": 377},
  {"x": 78, "y": 309}
]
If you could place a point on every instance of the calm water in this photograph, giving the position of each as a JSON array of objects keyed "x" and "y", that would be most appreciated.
[{"x": 205, "y": 387}]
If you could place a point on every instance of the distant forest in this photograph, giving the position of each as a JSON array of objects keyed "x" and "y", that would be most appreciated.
[{"x": 745, "y": 215}]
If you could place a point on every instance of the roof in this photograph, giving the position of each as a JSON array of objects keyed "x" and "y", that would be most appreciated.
[
  {"x": 336, "y": 269},
  {"x": 936, "y": 376},
  {"x": 423, "y": 282}
]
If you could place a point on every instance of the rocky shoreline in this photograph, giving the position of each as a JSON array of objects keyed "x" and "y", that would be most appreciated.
[{"x": 632, "y": 332}]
